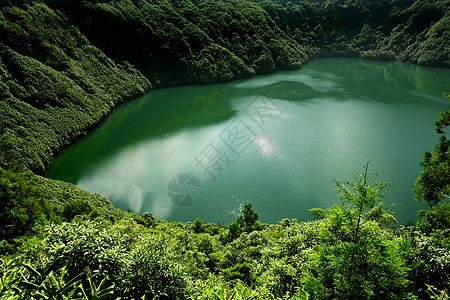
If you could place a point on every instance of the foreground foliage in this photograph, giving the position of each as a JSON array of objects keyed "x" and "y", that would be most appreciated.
[
  {"x": 357, "y": 258},
  {"x": 433, "y": 184},
  {"x": 349, "y": 254}
]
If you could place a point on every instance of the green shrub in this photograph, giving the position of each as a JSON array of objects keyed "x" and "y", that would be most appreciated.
[
  {"x": 429, "y": 263},
  {"x": 240, "y": 271},
  {"x": 76, "y": 208}
]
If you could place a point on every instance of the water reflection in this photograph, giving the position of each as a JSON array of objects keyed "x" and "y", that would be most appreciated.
[{"x": 322, "y": 122}]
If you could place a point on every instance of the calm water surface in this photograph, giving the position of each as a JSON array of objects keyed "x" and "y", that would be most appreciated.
[{"x": 276, "y": 141}]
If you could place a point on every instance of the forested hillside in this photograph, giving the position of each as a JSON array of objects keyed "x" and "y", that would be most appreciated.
[{"x": 64, "y": 65}]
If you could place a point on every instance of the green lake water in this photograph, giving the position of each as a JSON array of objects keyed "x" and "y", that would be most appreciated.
[{"x": 276, "y": 140}]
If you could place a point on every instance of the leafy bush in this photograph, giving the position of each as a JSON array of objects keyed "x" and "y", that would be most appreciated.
[
  {"x": 23, "y": 205},
  {"x": 76, "y": 208},
  {"x": 241, "y": 272},
  {"x": 428, "y": 262},
  {"x": 155, "y": 271}
]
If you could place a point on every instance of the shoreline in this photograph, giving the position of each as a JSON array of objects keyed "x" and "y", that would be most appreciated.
[
  {"x": 63, "y": 71},
  {"x": 366, "y": 65}
]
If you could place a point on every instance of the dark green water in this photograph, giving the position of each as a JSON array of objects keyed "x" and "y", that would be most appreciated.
[{"x": 275, "y": 140}]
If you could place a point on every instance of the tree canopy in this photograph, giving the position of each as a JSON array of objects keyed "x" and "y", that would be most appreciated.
[{"x": 433, "y": 184}]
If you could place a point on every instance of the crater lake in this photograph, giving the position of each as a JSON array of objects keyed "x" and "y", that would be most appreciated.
[{"x": 275, "y": 140}]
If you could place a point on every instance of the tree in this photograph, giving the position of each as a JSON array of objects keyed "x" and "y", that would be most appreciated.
[
  {"x": 246, "y": 222},
  {"x": 433, "y": 183},
  {"x": 199, "y": 226},
  {"x": 242, "y": 272},
  {"x": 76, "y": 208},
  {"x": 357, "y": 257},
  {"x": 23, "y": 206},
  {"x": 318, "y": 213},
  {"x": 362, "y": 195},
  {"x": 436, "y": 223}
]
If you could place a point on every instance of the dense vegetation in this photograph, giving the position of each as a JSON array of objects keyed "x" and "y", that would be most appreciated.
[
  {"x": 65, "y": 64},
  {"x": 349, "y": 252}
]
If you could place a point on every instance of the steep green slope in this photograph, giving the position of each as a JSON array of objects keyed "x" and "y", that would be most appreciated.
[
  {"x": 410, "y": 31},
  {"x": 54, "y": 85}
]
